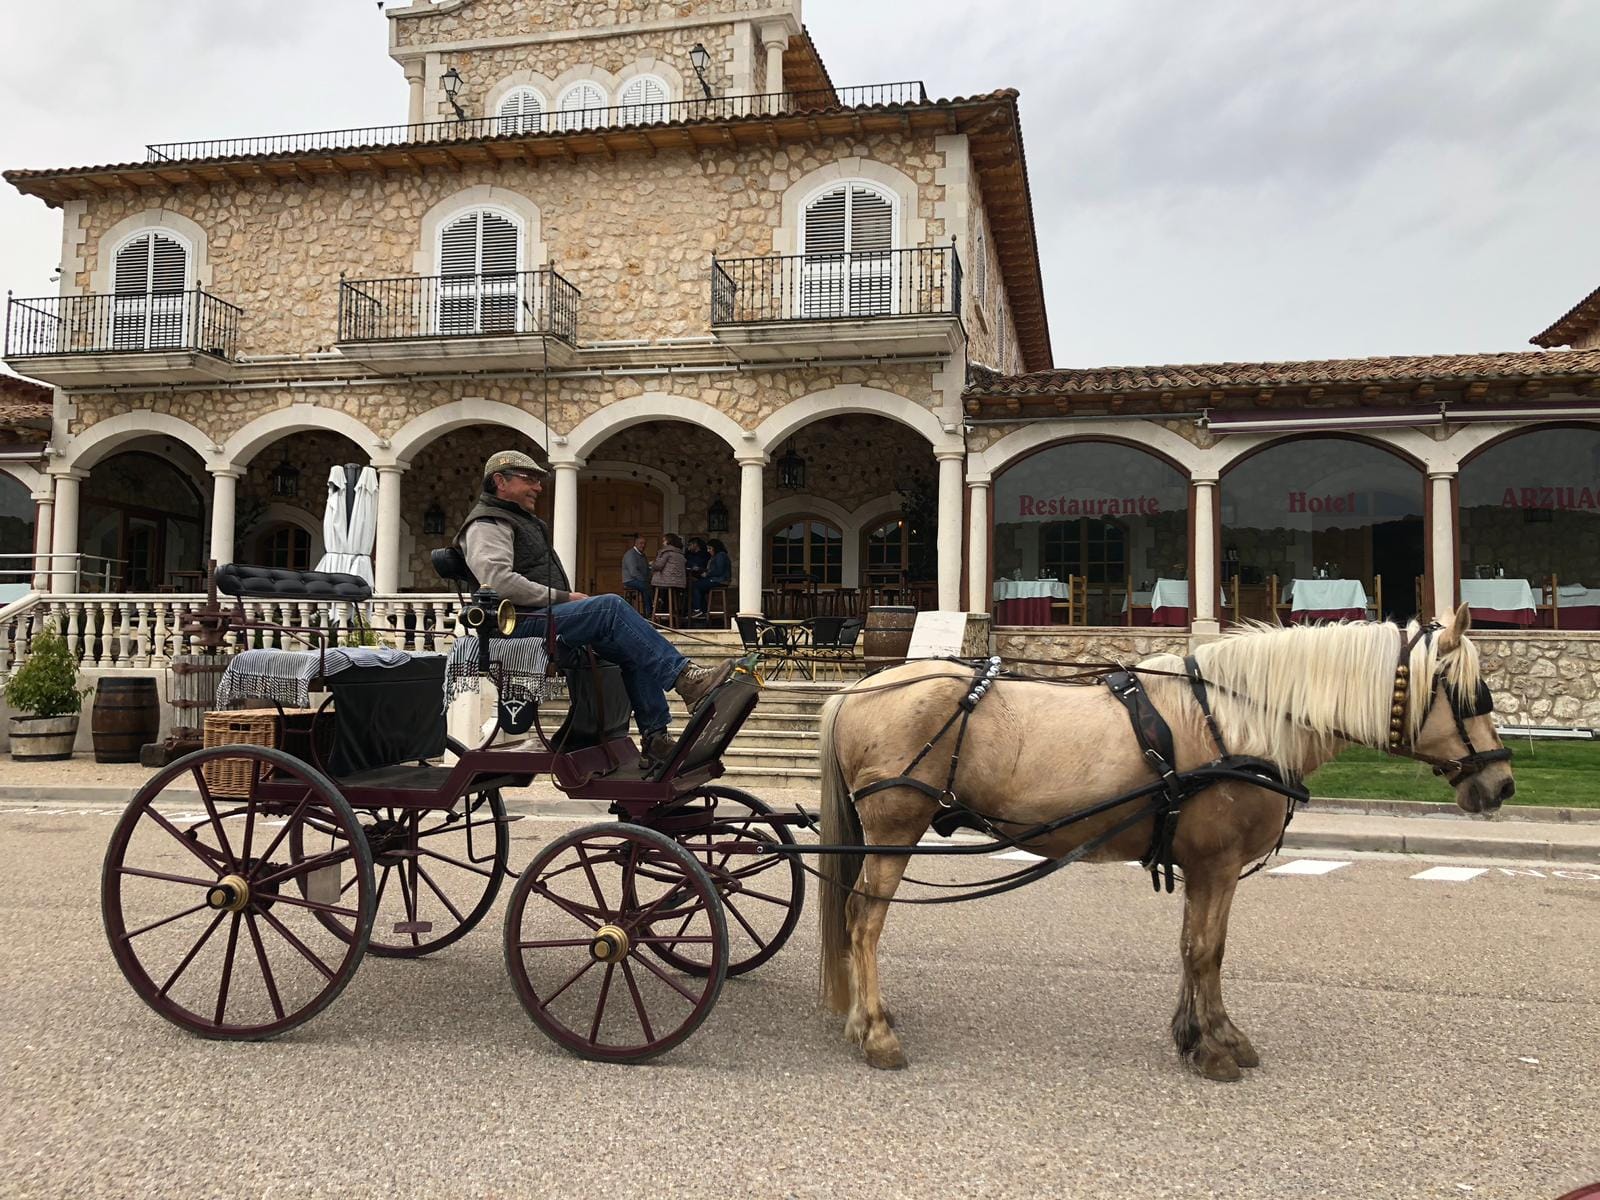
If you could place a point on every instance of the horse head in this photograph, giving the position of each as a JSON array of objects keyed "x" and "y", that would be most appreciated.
[{"x": 1457, "y": 733}]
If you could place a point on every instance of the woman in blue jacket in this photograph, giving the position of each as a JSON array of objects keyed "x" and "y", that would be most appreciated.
[{"x": 719, "y": 572}]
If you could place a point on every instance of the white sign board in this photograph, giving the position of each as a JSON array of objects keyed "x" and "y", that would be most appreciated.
[{"x": 937, "y": 635}]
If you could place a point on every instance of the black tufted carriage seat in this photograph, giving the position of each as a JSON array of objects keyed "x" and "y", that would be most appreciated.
[{"x": 242, "y": 579}]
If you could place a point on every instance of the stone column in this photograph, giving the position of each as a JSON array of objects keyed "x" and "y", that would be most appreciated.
[
  {"x": 1204, "y": 619},
  {"x": 565, "y": 524},
  {"x": 64, "y": 538},
  {"x": 978, "y": 592},
  {"x": 949, "y": 533},
  {"x": 775, "y": 39},
  {"x": 752, "y": 519},
  {"x": 44, "y": 507},
  {"x": 224, "y": 502},
  {"x": 386, "y": 547},
  {"x": 416, "y": 79},
  {"x": 1443, "y": 540}
]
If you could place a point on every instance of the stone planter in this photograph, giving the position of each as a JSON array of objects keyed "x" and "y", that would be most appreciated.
[{"x": 43, "y": 739}]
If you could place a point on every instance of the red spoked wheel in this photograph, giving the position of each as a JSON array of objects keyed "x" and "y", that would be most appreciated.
[
  {"x": 578, "y": 924},
  {"x": 438, "y": 872},
  {"x": 211, "y": 919},
  {"x": 762, "y": 891}
]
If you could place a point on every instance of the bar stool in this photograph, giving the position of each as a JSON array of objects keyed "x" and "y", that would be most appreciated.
[
  {"x": 665, "y": 601},
  {"x": 716, "y": 609}
]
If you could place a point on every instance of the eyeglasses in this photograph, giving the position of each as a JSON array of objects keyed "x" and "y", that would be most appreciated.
[{"x": 528, "y": 475}]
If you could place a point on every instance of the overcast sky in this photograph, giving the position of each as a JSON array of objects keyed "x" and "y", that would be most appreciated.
[{"x": 1222, "y": 180}]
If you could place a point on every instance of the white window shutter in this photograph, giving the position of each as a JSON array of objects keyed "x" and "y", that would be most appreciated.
[
  {"x": 521, "y": 112},
  {"x": 643, "y": 101},
  {"x": 871, "y": 222},
  {"x": 133, "y": 268},
  {"x": 458, "y": 246},
  {"x": 149, "y": 277},
  {"x": 479, "y": 256},
  {"x": 823, "y": 271},
  {"x": 580, "y": 107}
]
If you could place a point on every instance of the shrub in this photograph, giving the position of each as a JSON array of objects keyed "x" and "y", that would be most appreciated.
[{"x": 47, "y": 684}]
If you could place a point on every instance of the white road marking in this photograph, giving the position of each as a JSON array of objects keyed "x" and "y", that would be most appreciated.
[
  {"x": 1450, "y": 874},
  {"x": 1019, "y": 856},
  {"x": 1308, "y": 866}
]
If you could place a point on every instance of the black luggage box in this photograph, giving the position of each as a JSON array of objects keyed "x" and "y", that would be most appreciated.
[{"x": 387, "y": 715}]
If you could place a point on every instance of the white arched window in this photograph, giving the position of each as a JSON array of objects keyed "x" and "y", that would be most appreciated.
[
  {"x": 643, "y": 101},
  {"x": 150, "y": 275},
  {"x": 480, "y": 288},
  {"x": 522, "y": 111},
  {"x": 581, "y": 107},
  {"x": 847, "y": 241}
]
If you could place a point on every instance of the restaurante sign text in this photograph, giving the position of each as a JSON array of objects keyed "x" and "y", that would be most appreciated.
[{"x": 1061, "y": 506}]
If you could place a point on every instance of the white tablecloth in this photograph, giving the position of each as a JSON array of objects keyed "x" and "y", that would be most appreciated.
[
  {"x": 1029, "y": 589},
  {"x": 1572, "y": 595},
  {"x": 1501, "y": 595},
  {"x": 1170, "y": 593},
  {"x": 1325, "y": 595}
]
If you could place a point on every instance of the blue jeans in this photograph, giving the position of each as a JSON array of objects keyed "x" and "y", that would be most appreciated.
[
  {"x": 702, "y": 589},
  {"x": 609, "y": 626},
  {"x": 634, "y": 585}
]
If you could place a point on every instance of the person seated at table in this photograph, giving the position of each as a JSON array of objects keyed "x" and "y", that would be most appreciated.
[
  {"x": 668, "y": 570},
  {"x": 695, "y": 557},
  {"x": 636, "y": 569},
  {"x": 509, "y": 550},
  {"x": 718, "y": 573}
]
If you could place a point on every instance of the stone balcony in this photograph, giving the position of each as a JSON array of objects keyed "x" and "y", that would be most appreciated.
[{"x": 125, "y": 338}]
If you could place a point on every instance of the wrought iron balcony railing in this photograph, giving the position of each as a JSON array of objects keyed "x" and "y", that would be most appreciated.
[
  {"x": 613, "y": 117},
  {"x": 923, "y": 281},
  {"x": 121, "y": 323},
  {"x": 445, "y": 306}
]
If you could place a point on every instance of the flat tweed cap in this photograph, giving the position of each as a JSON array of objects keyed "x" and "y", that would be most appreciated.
[{"x": 513, "y": 460}]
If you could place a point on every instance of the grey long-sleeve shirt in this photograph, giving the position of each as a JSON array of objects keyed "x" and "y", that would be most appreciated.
[{"x": 487, "y": 546}]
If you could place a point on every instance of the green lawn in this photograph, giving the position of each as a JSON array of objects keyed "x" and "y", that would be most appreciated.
[{"x": 1556, "y": 773}]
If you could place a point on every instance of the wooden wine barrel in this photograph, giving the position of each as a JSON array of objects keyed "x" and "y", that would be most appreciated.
[
  {"x": 887, "y": 635},
  {"x": 127, "y": 714}
]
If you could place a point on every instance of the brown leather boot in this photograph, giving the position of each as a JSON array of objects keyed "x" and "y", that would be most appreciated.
[
  {"x": 695, "y": 683},
  {"x": 659, "y": 746}
]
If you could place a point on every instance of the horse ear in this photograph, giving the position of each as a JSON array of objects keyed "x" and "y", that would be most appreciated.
[{"x": 1456, "y": 630}]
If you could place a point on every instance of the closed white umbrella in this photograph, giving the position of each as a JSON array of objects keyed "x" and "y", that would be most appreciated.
[{"x": 348, "y": 529}]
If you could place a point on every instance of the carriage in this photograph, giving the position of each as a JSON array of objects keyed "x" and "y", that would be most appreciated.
[{"x": 245, "y": 883}]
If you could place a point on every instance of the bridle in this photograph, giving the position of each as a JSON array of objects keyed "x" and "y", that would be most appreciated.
[{"x": 1455, "y": 770}]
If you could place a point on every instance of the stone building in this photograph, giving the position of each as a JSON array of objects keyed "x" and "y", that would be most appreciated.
[{"x": 730, "y": 297}]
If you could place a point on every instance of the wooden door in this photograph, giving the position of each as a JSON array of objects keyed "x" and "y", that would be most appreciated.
[{"x": 608, "y": 511}]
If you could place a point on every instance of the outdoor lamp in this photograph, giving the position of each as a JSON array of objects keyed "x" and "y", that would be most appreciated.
[
  {"x": 286, "y": 479},
  {"x": 700, "y": 59},
  {"x": 451, "y": 82},
  {"x": 433, "y": 519},
  {"x": 717, "y": 517},
  {"x": 791, "y": 470}
]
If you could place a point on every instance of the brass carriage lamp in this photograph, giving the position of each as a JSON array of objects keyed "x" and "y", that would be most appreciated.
[
  {"x": 791, "y": 470},
  {"x": 285, "y": 480},
  {"x": 717, "y": 517},
  {"x": 433, "y": 520},
  {"x": 700, "y": 59},
  {"x": 451, "y": 81}
]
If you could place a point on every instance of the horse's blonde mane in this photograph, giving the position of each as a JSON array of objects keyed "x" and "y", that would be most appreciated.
[{"x": 1291, "y": 695}]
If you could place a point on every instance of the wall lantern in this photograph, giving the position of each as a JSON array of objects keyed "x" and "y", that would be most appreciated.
[
  {"x": 451, "y": 81},
  {"x": 433, "y": 520},
  {"x": 717, "y": 517},
  {"x": 285, "y": 480},
  {"x": 700, "y": 59},
  {"x": 791, "y": 470}
]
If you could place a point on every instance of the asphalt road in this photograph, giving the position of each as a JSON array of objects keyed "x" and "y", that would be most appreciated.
[{"x": 1419, "y": 1038}]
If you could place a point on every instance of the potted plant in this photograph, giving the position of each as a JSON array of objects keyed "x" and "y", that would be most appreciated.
[{"x": 45, "y": 690}]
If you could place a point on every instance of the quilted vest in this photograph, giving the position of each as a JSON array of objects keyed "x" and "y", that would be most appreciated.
[{"x": 531, "y": 554}]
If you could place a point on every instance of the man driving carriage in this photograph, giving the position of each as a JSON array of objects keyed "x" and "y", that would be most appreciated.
[{"x": 509, "y": 550}]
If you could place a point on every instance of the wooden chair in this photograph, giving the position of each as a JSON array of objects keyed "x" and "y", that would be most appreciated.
[
  {"x": 1131, "y": 606},
  {"x": 1377, "y": 597},
  {"x": 666, "y": 602},
  {"x": 1553, "y": 606},
  {"x": 1234, "y": 596},
  {"x": 1076, "y": 606},
  {"x": 1275, "y": 604}
]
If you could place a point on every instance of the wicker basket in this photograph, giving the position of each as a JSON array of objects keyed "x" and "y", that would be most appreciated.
[{"x": 247, "y": 727}]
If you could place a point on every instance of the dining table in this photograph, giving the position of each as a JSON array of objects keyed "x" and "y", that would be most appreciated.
[
  {"x": 1026, "y": 601},
  {"x": 1578, "y": 607},
  {"x": 1165, "y": 604},
  {"x": 1503, "y": 601},
  {"x": 1325, "y": 600}
]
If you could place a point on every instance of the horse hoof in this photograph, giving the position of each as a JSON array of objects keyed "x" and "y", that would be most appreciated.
[
  {"x": 890, "y": 1058},
  {"x": 1218, "y": 1066},
  {"x": 1246, "y": 1055}
]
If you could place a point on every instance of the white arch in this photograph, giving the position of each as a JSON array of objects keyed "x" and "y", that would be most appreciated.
[
  {"x": 805, "y": 505},
  {"x": 542, "y": 85},
  {"x": 435, "y": 423},
  {"x": 520, "y": 208},
  {"x": 594, "y": 429},
  {"x": 1465, "y": 440},
  {"x": 103, "y": 438},
  {"x": 102, "y": 279},
  {"x": 984, "y": 465},
  {"x": 910, "y": 228},
  {"x": 29, "y": 477},
  {"x": 270, "y": 427},
  {"x": 1400, "y": 442},
  {"x": 853, "y": 398},
  {"x": 659, "y": 67},
  {"x": 278, "y": 513}
]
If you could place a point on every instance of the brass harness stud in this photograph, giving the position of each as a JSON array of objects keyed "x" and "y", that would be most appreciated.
[
  {"x": 609, "y": 943},
  {"x": 231, "y": 893}
]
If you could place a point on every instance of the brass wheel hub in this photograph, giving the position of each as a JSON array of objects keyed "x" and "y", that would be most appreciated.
[
  {"x": 610, "y": 944},
  {"x": 231, "y": 893}
]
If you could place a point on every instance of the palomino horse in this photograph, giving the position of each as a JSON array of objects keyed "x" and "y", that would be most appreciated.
[{"x": 1035, "y": 751}]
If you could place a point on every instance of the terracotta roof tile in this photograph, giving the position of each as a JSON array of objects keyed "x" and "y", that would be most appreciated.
[
  {"x": 1580, "y": 319},
  {"x": 983, "y": 383}
]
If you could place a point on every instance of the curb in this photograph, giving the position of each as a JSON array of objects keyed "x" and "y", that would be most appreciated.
[
  {"x": 1333, "y": 805},
  {"x": 1441, "y": 845}
]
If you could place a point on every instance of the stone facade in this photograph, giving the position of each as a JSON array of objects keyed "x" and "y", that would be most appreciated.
[
  {"x": 1543, "y": 678},
  {"x": 473, "y": 19},
  {"x": 1086, "y": 645}
]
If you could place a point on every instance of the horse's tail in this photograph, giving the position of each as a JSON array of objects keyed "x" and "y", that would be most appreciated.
[{"x": 841, "y": 826}]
